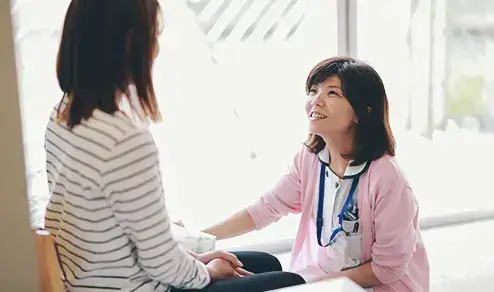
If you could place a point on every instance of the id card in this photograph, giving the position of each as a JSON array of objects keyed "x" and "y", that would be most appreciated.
[{"x": 336, "y": 255}]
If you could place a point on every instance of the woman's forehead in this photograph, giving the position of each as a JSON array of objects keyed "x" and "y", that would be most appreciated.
[{"x": 331, "y": 81}]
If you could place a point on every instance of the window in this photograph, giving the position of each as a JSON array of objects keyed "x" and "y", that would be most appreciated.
[
  {"x": 435, "y": 61},
  {"x": 234, "y": 110},
  {"x": 230, "y": 78}
]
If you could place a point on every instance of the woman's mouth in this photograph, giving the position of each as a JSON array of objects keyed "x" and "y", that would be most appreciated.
[{"x": 316, "y": 116}]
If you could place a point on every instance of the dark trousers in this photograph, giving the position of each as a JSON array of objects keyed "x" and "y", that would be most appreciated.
[{"x": 268, "y": 275}]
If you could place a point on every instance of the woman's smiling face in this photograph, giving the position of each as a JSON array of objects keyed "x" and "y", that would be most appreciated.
[{"x": 328, "y": 109}]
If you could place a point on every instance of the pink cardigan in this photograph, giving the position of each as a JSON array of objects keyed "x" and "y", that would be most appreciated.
[{"x": 391, "y": 238}]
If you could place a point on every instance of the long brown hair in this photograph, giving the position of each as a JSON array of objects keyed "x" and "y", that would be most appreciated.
[
  {"x": 365, "y": 92},
  {"x": 107, "y": 45}
]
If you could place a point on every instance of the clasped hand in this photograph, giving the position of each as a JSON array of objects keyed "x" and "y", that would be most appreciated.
[{"x": 222, "y": 265}]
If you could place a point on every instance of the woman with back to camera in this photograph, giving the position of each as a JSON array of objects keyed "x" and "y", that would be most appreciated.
[
  {"x": 107, "y": 211},
  {"x": 359, "y": 216}
]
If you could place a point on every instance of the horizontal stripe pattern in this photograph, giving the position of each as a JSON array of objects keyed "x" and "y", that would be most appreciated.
[{"x": 107, "y": 209}]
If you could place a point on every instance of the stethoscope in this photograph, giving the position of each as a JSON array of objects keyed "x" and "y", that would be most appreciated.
[{"x": 320, "y": 207}]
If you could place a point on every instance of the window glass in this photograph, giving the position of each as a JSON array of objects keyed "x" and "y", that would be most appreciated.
[{"x": 435, "y": 58}]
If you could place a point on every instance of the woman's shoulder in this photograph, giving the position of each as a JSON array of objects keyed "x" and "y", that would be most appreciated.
[
  {"x": 305, "y": 157},
  {"x": 386, "y": 171},
  {"x": 105, "y": 128}
]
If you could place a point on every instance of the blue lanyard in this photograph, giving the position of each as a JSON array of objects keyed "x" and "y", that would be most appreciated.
[{"x": 320, "y": 207}]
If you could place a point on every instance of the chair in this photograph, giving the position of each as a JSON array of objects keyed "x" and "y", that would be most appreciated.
[{"x": 49, "y": 272}]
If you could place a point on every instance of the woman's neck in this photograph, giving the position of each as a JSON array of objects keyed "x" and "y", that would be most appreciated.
[{"x": 338, "y": 145}]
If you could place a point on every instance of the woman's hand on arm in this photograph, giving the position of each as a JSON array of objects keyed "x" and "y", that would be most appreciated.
[
  {"x": 221, "y": 265},
  {"x": 219, "y": 254},
  {"x": 362, "y": 275},
  {"x": 220, "y": 269}
]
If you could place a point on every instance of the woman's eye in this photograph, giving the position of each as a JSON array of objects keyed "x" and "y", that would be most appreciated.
[
  {"x": 332, "y": 93},
  {"x": 312, "y": 91}
]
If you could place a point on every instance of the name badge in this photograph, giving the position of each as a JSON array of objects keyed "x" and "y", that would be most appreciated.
[{"x": 336, "y": 255}]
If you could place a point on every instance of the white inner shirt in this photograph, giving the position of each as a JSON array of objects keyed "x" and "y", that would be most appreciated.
[{"x": 336, "y": 191}]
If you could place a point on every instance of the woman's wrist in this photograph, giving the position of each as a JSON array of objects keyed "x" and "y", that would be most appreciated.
[{"x": 193, "y": 254}]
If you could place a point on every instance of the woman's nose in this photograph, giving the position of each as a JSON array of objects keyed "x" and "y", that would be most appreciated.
[{"x": 317, "y": 100}]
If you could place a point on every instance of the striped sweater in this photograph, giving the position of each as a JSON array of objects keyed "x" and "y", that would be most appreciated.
[{"x": 107, "y": 209}]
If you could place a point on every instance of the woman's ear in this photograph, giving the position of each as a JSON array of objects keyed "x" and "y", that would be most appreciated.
[{"x": 369, "y": 109}]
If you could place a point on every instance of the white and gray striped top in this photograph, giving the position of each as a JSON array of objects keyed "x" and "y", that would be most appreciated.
[{"x": 107, "y": 209}]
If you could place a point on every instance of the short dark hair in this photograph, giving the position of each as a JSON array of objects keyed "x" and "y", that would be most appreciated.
[
  {"x": 365, "y": 92},
  {"x": 107, "y": 45}
]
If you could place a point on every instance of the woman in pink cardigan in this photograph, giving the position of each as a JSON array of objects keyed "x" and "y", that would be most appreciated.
[{"x": 359, "y": 216}]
